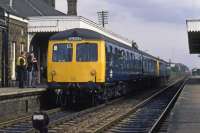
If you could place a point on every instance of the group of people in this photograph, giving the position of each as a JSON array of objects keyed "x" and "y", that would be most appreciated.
[{"x": 27, "y": 70}]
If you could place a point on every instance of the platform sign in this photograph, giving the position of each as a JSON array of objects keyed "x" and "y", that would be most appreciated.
[{"x": 2, "y": 17}]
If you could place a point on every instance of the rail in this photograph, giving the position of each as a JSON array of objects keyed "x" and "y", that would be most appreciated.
[{"x": 142, "y": 117}]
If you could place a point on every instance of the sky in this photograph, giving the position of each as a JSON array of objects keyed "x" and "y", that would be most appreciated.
[{"x": 158, "y": 26}]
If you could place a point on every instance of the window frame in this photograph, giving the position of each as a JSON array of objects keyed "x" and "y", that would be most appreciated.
[
  {"x": 87, "y": 43},
  {"x": 72, "y": 51}
]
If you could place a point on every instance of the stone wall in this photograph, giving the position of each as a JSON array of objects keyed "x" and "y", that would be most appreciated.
[
  {"x": 12, "y": 108},
  {"x": 17, "y": 42},
  {"x": 17, "y": 36}
]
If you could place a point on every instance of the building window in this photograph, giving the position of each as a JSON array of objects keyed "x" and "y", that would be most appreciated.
[
  {"x": 22, "y": 32},
  {"x": 21, "y": 47},
  {"x": 13, "y": 47}
]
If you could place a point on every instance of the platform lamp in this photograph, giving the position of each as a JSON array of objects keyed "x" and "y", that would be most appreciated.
[{"x": 103, "y": 17}]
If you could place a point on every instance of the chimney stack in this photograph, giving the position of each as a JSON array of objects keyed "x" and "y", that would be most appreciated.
[
  {"x": 11, "y": 3},
  {"x": 72, "y": 7}
]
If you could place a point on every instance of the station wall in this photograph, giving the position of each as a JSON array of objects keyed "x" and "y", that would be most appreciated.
[{"x": 17, "y": 42}]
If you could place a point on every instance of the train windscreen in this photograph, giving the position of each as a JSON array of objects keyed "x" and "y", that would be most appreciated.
[
  {"x": 86, "y": 52},
  {"x": 62, "y": 52}
]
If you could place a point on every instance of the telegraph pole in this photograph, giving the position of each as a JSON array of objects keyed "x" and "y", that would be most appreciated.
[{"x": 103, "y": 17}]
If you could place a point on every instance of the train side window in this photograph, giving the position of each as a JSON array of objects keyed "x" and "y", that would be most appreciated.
[
  {"x": 133, "y": 62},
  {"x": 109, "y": 55},
  {"x": 123, "y": 60},
  {"x": 139, "y": 60},
  {"x": 62, "y": 53},
  {"x": 136, "y": 62},
  {"x": 86, "y": 52},
  {"x": 128, "y": 61},
  {"x": 144, "y": 64}
]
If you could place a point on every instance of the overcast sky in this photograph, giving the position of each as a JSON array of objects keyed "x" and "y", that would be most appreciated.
[{"x": 158, "y": 26}]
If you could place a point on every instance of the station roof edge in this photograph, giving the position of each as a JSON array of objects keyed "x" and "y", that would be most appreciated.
[{"x": 82, "y": 22}]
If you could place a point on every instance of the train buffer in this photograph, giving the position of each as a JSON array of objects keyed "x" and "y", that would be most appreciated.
[{"x": 185, "y": 116}]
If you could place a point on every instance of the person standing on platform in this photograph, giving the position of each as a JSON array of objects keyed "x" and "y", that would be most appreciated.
[
  {"x": 35, "y": 71},
  {"x": 30, "y": 69},
  {"x": 21, "y": 69}
]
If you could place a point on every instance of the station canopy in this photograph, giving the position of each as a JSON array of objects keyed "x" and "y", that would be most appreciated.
[
  {"x": 54, "y": 24},
  {"x": 193, "y": 29}
]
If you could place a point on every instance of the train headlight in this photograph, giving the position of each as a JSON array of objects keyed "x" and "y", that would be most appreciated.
[
  {"x": 53, "y": 73},
  {"x": 93, "y": 73}
]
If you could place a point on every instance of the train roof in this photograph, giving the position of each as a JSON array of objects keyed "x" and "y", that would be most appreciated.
[
  {"x": 85, "y": 34},
  {"x": 93, "y": 35}
]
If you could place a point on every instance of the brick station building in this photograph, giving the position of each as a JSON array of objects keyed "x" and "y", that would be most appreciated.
[
  {"x": 16, "y": 14},
  {"x": 32, "y": 22}
]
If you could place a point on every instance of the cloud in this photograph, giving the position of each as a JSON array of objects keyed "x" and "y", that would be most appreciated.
[
  {"x": 161, "y": 10},
  {"x": 158, "y": 26}
]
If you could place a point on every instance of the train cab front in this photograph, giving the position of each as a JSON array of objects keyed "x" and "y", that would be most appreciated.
[{"x": 75, "y": 63}]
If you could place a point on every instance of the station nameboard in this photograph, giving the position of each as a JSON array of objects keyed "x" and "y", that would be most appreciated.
[{"x": 2, "y": 17}]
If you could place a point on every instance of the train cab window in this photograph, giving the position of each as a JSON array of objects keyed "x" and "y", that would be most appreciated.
[
  {"x": 62, "y": 53},
  {"x": 86, "y": 52}
]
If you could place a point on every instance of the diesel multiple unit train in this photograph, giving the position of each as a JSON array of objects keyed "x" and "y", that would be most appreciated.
[{"x": 83, "y": 61}]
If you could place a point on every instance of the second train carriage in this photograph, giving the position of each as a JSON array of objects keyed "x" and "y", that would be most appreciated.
[{"x": 82, "y": 58}]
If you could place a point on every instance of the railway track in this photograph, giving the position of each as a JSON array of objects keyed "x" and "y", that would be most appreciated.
[
  {"x": 95, "y": 119},
  {"x": 103, "y": 119},
  {"x": 24, "y": 124},
  {"x": 100, "y": 119},
  {"x": 56, "y": 116},
  {"x": 148, "y": 116}
]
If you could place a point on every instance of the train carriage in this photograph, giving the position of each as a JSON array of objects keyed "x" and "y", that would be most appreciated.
[{"x": 85, "y": 59}]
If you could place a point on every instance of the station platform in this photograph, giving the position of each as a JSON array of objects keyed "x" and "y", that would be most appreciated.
[
  {"x": 14, "y": 91},
  {"x": 16, "y": 102},
  {"x": 185, "y": 116}
]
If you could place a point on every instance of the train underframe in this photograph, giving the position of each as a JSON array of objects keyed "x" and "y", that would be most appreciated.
[{"x": 91, "y": 93}]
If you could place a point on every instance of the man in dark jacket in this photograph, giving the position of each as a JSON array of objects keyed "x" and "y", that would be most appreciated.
[
  {"x": 30, "y": 68},
  {"x": 21, "y": 68},
  {"x": 35, "y": 71}
]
